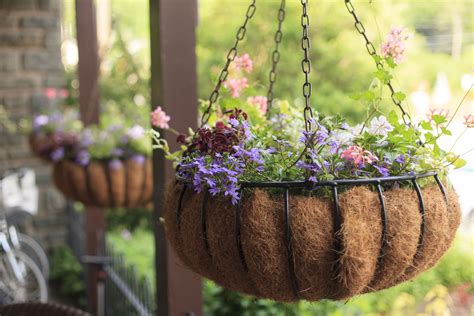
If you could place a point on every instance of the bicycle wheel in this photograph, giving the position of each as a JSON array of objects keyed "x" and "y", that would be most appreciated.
[
  {"x": 33, "y": 286},
  {"x": 34, "y": 250}
]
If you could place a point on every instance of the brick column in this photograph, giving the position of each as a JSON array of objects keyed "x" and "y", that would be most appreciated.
[{"x": 30, "y": 61}]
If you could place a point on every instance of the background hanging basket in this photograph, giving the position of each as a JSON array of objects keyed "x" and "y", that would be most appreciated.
[
  {"x": 99, "y": 184},
  {"x": 43, "y": 144},
  {"x": 250, "y": 248}
]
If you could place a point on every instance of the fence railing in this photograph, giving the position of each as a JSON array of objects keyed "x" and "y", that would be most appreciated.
[{"x": 126, "y": 292}]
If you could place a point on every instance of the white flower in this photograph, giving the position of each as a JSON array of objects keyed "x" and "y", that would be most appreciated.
[{"x": 380, "y": 126}]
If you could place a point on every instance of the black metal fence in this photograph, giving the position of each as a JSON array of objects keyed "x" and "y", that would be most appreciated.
[{"x": 126, "y": 292}]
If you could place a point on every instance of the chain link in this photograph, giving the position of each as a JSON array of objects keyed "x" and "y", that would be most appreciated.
[
  {"x": 372, "y": 52},
  {"x": 275, "y": 55},
  {"x": 306, "y": 66},
  {"x": 242, "y": 31}
]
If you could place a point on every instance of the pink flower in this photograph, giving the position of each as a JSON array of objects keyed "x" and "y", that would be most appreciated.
[
  {"x": 50, "y": 93},
  {"x": 63, "y": 93},
  {"x": 395, "y": 44},
  {"x": 159, "y": 118},
  {"x": 441, "y": 112},
  {"x": 469, "y": 121},
  {"x": 358, "y": 155},
  {"x": 236, "y": 86},
  {"x": 243, "y": 63},
  {"x": 260, "y": 102}
]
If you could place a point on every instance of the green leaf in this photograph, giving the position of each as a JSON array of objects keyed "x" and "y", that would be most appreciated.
[
  {"x": 459, "y": 163},
  {"x": 393, "y": 118},
  {"x": 383, "y": 75},
  {"x": 446, "y": 131},
  {"x": 426, "y": 126},
  {"x": 439, "y": 119},
  {"x": 355, "y": 96},
  {"x": 399, "y": 96},
  {"x": 455, "y": 160},
  {"x": 390, "y": 62},
  {"x": 377, "y": 58}
]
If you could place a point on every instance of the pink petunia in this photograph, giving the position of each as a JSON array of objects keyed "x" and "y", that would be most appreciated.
[
  {"x": 358, "y": 155},
  {"x": 395, "y": 44},
  {"x": 260, "y": 102},
  {"x": 159, "y": 118},
  {"x": 236, "y": 86},
  {"x": 243, "y": 62}
]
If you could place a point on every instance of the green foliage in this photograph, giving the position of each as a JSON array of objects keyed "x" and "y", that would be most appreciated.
[
  {"x": 137, "y": 246},
  {"x": 67, "y": 275}
]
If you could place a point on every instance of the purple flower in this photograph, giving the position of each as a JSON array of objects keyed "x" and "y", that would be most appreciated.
[
  {"x": 400, "y": 159},
  {"x": 115, "y": 164},
  {"x": 271, "y": 150},
  {"x": 117, "y": 152},
  {"x": 234, "y": 122},
  {"x": 333, "y": 146},
  {"x": 139, "y": 159},
  {"x": 384, "y": 172},
  {"x": 86, "y": 138},
  {"x": 136, "y": 132},
  {"x": 40, "y": 121},
  {"x": 83, "y": 158},
  {"x": 57, "y": 154},
  {"x": 313, "y": 179}
]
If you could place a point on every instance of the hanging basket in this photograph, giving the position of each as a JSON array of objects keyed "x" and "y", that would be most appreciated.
[
  {"x": 100, "y": 184},
  {"x": 288, "y": 247},
  {"x": 288, "y": 241},
  {"x": 43, "y": 144}
]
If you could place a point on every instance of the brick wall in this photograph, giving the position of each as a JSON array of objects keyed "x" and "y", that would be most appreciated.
[{"x": 30, "y": 61}]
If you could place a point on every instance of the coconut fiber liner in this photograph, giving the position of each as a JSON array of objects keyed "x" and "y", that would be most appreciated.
[
  {"x": 97, "y": 184},
  {"x": 357, "y": 259}
]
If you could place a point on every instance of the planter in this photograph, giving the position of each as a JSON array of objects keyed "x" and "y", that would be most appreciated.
[
  {"x": 43, "y": 144},
  {"x": 314, "y": 248},
  {"x": 102, "y": 184}
]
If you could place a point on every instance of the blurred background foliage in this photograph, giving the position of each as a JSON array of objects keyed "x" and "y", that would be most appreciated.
[{"x": 443, "y": 41}]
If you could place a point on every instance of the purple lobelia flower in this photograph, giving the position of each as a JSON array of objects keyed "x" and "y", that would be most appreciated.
[
  {"x": 83, "y": 158},
  {"x": 115, "y": 164},
  {"x": 384, "y": 172},
  {"x": 139, "y": 159},
  {"x": 57, "y": 154},
  {"x": 136, "y": 132},
  {"x": 117, "y": 152},
  {"x": 40, "y": 121},
  {"x": 400, "y": 159}
]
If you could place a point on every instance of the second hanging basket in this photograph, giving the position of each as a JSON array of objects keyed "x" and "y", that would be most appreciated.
[
  {"x": 103, "y": 184},
  {"x": 290, "y": 247}
]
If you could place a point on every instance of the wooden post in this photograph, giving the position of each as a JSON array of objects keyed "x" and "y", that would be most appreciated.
[
  {"x": 88, "y": 71},
  {"x": 174, "y": 88}
]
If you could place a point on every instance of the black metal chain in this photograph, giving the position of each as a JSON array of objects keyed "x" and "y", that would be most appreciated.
[
  {"x": 306, "y": 66},
  {"x": 372, "y": 51},
  {"x": 230, "y": 58},
  {"x": 275, "y": 55}
]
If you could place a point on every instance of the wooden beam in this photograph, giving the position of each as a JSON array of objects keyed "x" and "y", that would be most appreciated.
[
  {"x": 88, "y": 73},
  {"x": 173, "y": 87},
  {"x": 88, "y": 68}
]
